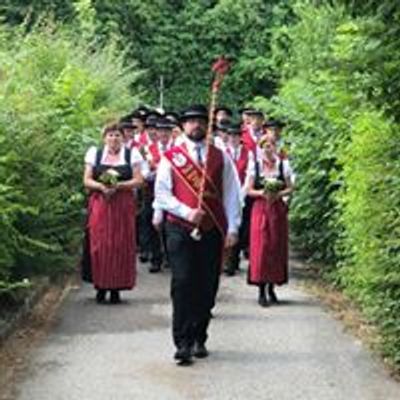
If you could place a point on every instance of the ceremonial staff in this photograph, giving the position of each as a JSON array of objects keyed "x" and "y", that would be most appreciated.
[{"x": 220, "y": 69}]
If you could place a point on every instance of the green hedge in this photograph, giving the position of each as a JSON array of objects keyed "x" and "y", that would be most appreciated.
[
  {"x": 337, "y": 79},
  {"x": 371, "y": 219},
  {"x": 56, "y": 91}
]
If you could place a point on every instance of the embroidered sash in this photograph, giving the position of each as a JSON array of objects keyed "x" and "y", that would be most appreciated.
[{"x": 187, "y": 177}]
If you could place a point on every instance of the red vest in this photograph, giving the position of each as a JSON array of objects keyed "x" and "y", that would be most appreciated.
[
  {"x": 248, "y": 140},
  {"x": 241, "y": 163},
  {"x": 143, "y": 138},
  {"x": 155, "y": 155},
  {"x": 134, "y": 144},
  {"x": 186, "y": 183}
]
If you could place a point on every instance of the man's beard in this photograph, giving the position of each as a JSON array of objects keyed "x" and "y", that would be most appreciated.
[{"x": 197, "y": 135}]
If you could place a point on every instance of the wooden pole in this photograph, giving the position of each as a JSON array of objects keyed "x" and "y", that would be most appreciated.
[{"x": 220, "y": 68}]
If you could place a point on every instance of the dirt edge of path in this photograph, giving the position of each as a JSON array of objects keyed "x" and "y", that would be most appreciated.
[{"x": 16, "y": 348}]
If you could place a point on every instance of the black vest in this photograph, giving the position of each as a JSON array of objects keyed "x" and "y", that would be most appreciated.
[
  {"x": 125, "y": 171},
  {"x": 258, "y": 181}
]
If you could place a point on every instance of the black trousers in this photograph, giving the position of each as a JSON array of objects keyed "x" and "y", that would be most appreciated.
[
  {"x": 139, "y": 222},
  {"x": 195, "y": 267},
  {"x": 150, "y": 241},
  {"x": 233, "y": 260}
]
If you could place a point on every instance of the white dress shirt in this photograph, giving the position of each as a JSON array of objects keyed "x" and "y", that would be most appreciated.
[
  {"x": 234, "y": 153},
  {"x": 220, "y": 144},
  {"x": 163, "y": 148},
  {"x": 165, "y": 200}
]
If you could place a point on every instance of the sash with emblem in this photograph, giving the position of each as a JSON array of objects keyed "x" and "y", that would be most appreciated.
[{"x": 187, "y": 177}]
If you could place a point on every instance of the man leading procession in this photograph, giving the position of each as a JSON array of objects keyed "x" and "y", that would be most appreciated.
[
  {"x": 197, "y": 209},
  {"x": 196, "y": 261}
]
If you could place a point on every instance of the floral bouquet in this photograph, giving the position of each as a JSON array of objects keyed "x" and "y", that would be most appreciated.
[
  {"x": 109, "y": 177},
  {"x": 272, "y": 185}
]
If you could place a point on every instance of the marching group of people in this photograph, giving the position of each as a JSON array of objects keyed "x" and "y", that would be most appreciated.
[{"x": 165, "y": 190}]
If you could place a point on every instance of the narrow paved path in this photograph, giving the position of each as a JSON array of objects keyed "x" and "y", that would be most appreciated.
[{"x": 294, "y": 351}]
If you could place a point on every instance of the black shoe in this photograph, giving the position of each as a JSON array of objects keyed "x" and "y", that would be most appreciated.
[
  {"x": 200, "y": 350},
  {"x": 262, "y": 301},
  {"x": 272, "y": 295},
  {"x": 144, "y": 257},
  {"x": 183, "y": 355},
  {"x": 155, "y": 267},
  {"x": 101, "y": 296},
  {"x": 115, "y": 297},
  {"x": 229, "y": 272}
]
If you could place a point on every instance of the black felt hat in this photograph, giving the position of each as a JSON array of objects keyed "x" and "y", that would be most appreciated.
[
  {"x": 150, "y": 122},
  {"x": 172, "y": 116},
  {"x": 143, "y": 109},
  {"x": 223, "y": 108},
  {"x": 142, "y": 115},
  {"x": 222, "y": 125},
  {"x": 245, "y": 110},
  {"x": 151, "y": 119},
  {"x": 164, "y": 123},
  {"x": 274, "y": 123},
  {"x": 127, "y": 125},
  {"x": 234, "y": 129},
  {"x": 194, "y": 111},
  {"x": 255, "y": 112}
]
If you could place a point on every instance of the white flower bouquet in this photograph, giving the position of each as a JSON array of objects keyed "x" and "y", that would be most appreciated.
[
  {"x": 109, "y": 177},
  {"x": 272, "y": 185}
]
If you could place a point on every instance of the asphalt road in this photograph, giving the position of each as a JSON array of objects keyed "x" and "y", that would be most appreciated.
[{"x": 293, "y": 351}]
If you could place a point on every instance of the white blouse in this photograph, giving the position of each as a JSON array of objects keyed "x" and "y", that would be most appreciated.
[
  {"x": 136, "y": 157},
  {"x": 287, "y": 170}
]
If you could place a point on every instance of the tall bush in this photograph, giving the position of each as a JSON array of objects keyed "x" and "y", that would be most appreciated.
[
  {"x": 314, "y": 99},
  {"x": 371, "y": 219},
  {"x": 337, "y": 73},
  {"x": 56, "y": 91}
]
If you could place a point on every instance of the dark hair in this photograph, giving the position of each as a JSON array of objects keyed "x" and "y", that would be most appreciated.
[{"x": 114, "y": 126}]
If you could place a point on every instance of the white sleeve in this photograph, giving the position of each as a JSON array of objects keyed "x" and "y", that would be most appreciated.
[
  {"x": 138, "y": 160},
  {"x": 163, "y": 197},
  {"x": 231, "y": 195},
  {"x": 158, "y": 216},
  {"x": 136, "y": 157},
  {"x": 251, "y": 167},
  {"x": 90, "y": 156},
  {"x": 218, "y": 143},
  {"x": 145, "y": 169},
  {"x": 250, "y": 174},
  {"x": 287, "y": 171}
]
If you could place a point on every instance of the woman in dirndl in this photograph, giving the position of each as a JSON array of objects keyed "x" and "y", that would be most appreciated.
[
  {"x": 268, "y": 260},
  {"x": 111, "y": 174}
]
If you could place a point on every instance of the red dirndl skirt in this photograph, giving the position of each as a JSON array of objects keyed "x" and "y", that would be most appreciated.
[
  {"x": 112, "y": 240},
  {"x": 268, "y": 243}
]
